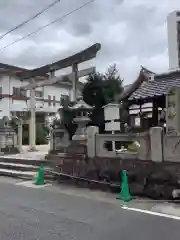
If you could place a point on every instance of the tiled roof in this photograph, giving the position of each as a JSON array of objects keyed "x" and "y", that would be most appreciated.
[
  {"x": 17, "y": 70},
  {"x": 157, "y": 87},
  {"x": 11, "y": 67}
]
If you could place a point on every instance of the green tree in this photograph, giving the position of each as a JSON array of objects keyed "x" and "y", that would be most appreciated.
[
  {"x": 100, "y": 90},
  {"x": 112, "y": 86},
  {"x": 93, "y": 90}
]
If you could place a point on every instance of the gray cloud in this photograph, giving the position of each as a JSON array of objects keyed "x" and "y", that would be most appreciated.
[{"x": 131, "y": 33}]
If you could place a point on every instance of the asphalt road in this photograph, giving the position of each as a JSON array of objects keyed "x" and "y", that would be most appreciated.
[{"x": 31, "y": 214}]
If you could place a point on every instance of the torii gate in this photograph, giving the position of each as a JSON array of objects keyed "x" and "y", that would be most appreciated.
[{"x": 73, "y": 61}]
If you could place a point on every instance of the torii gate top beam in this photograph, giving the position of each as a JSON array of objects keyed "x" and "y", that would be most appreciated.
[
  {"x": 81, "y": 73},
  {"x": 77, "y": 58}
]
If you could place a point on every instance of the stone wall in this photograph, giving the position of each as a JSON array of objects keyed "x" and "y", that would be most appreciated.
[
  {"x": 153, "y": 171},
  {"x": 146, "y": 178},
  {"x": 155, "y": 145},
  {"x": 101, "y": 151},
  {"x": 171, "y": 148}
]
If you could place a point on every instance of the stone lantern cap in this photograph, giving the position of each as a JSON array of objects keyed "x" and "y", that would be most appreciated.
[{"x": 81, "y": 105}]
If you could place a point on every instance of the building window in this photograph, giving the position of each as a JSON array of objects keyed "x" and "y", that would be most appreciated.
[
  {"x": 54, "y": 101},
  {"x": 49, "y": 100},
  {"x": 15, "y": 91},
  {"x": 19, "y": 92},
  {"x": 39, "y": 94},
  {"x": 178, "y": 14},
  {"x": 64, "y": 98}
]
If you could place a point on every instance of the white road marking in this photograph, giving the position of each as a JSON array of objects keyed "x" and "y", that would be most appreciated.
[
  {"x": 151, "y": 212},
  {"x": 31, "y": 184}
]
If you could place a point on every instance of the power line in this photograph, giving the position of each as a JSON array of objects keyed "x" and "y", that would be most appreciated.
[
  {"x": 31, "y": 18},
  {"x": 47, "y": 25}
]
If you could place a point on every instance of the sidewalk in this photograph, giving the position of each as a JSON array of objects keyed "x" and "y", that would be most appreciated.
[
  {"x": 39, "y": 155},
  {"x": 167, "y": 208},
  {"x": 152, "y": 206}
]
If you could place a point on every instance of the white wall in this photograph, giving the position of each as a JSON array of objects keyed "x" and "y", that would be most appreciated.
[
  {"x": 16, "y": 105},
  {"x": 4, "y": 102},
  {"x": 57, "y": 92},
  {"x": 8, "y": 104}
]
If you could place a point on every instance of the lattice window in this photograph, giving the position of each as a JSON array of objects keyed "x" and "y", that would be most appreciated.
[
  {"x": 39, "y": 94},
  {"x": 19, "y": 92}
]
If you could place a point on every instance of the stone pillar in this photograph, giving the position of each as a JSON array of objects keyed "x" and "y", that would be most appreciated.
[
  {"x": 52, "y": 140},
  {"x": 156, "y": 136},
  {"x": 173, "y": 111},
  {"x": 91, "y": 141},
  {"x": 32, "y": 134},
  {"x": 113, "y": 144},
  {"x": 20, "y": 132},
  {"x": 74, "y": 81}
]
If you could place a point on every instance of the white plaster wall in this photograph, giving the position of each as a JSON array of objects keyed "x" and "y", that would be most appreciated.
[{"x": 7, "y": 104}]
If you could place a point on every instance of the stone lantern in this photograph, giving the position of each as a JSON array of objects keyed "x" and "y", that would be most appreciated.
[{"x": 81, "y": 111}]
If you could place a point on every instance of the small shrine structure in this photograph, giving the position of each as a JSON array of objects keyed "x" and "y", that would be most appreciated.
[{"x": 147, "y": 97}]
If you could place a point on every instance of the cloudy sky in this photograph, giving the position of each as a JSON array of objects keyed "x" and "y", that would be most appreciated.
[{"x": 131, "y": 32}]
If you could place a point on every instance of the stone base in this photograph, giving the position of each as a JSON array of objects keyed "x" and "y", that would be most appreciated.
[
  {"x": 73, "y": 149},
  {"x": 76, "y": 148}
]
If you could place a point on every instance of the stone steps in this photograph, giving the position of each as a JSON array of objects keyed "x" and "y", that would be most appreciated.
[
  {"x": 17, "y": 174},
  {"x": 26, "y": 161},
  {"x": 20, "y": 167}
]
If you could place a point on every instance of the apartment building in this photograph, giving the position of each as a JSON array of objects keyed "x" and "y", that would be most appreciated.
[{"x": 15, "y": 101}]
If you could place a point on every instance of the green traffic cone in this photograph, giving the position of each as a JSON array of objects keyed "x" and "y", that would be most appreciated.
[
  {"x": 40, "y": 177},
  {"x": 125, "y": 194}
]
